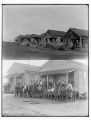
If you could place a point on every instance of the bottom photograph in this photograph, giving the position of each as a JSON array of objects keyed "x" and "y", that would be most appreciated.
[{"x": 44, "y": 88}]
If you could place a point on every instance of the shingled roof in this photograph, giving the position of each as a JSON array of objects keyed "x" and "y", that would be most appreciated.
[
  {"x": 21, "y": 68},
  {"x": 56, "y": 33},
  {"x": 34, "y": 35},
  {"x": 60, "y": 65},
  {"x": 52, "y": 66},
  {"x": 80, "y": 32},
  {"x": 43, "y": 35}
]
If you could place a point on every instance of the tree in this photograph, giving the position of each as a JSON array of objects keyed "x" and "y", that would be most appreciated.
[
  {"x": 28, "y": 37},
  {"x": 19, "y": 39}
]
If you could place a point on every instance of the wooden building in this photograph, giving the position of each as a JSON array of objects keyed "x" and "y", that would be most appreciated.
[
  {"x": 28, "y": 40},
  {"x": 35, "y": 38},
  {"x": 25, "y": 42},
  {"x": 76, "y": 38},
  {"x": 17, "y": 75},
  {"x": 52, "y": 38},
  {"x": 53, "y": 72}
]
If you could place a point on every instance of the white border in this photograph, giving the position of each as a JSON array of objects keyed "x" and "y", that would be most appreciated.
[{"x": 48, "y": 2}]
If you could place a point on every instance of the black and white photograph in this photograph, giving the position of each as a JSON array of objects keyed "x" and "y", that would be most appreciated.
[
  {"x": 45, "y": 31},
  {"x": 45, "y": 60},
  {"x": 45, "y": 90}
]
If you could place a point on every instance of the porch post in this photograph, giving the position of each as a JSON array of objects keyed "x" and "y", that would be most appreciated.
[
  {"x": 78, "y": 85},
  {"x": 15, "y": 80},
  {"x": 67, "y": 77},
  {"x": 83, "y": 82},
  {"x": 47, "y": 82},
  {"x": 10, "y": 84},
  {"x": 80, "y": 42}
]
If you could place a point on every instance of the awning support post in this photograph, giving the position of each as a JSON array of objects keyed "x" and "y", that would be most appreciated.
[
  {"x": 47, "y": 82},
  {"x": 67, "y": 77},
  {"x": 80, "y": 42}
]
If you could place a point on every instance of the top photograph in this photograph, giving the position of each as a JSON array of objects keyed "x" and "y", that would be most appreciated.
[{"x": 45, "y": 31}]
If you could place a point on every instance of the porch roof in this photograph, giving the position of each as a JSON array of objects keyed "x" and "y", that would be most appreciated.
[
  {"x": 34, "y": 35},
  {"x": 79, "y": 32},
  {"x": 56, "y": 33},
  {"x": 53, "y": 33},
  {"x": 57, "y": 71},
  {"x": 60, "y": 65},
  {"x": 51, "y": 67}
]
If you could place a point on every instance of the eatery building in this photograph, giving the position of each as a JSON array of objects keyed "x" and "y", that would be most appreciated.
[
  {"x": 53, "y": 72},
  {"x": 76, "y": 38},
  {"x": 52, "y": 38}
]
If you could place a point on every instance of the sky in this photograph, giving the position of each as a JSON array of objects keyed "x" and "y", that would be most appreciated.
[{"x": 37, "y": 19}]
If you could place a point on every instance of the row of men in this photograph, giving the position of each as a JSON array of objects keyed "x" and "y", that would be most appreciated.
[{"x": 37, "y": 90}]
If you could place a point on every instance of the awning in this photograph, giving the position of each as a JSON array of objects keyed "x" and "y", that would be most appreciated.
[
  {"x": 52, "y": 71},
  {"x": 57, "y": 71}
]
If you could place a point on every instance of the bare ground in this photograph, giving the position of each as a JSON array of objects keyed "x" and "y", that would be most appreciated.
[
  {"x": 12, "y": 51},
  {"x": 13, "y": 106}
]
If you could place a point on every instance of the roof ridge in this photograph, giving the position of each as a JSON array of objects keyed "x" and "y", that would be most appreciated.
[
  {"x": 78, "y": 29},
  {"x": 55, "y": 30},
  {"x": 26, "y": 64}
]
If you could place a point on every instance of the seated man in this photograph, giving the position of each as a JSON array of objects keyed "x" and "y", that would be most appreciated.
[{"x": 69, "y": 89}]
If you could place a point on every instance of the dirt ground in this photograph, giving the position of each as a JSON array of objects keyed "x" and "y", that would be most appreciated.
[
  {"x": 12, "y": 51},
  {"x": 13, "y": 106}
]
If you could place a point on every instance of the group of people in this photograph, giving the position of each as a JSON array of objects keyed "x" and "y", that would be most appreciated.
[
  {"x": 28, "y": 90},
  {"x": 62, "y": 91},
  {"x": 21, "y": 90}
]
